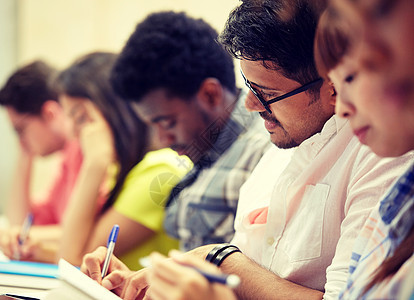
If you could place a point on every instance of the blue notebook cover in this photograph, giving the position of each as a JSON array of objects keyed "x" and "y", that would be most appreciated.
[{"x": 29, "y": 269}]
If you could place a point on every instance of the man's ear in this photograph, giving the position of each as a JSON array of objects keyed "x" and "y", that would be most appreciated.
[
  {"x": 332, "y": 93},
  {"x": 50, "y": 109},
  {"x": 210, "y": 95}
]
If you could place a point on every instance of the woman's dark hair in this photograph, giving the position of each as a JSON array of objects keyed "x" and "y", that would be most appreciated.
[
  {"x": 259, "y": 30},
  {"x": 29, "y": 88},
  {"x": 88, "y": 77},
  {"x": 171, "y": 51},
  {"x": 332, "y": 41}
]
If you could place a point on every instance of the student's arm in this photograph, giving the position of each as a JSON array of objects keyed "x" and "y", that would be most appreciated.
[
  {"x": 41, "y": 244},
  {"x": 82, "y": 209},
  {"x": 130, "y": 235},
  {"x": 259, "y": 283},
  {"x": 139, "y": 215},
  {"x": 256, "y": 281},
  {"x": 98, "y": 153},
  {"x": 19, "y": 201}
]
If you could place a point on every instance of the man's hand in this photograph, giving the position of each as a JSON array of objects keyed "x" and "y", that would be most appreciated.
[
  {"x": 200, "y": 252},
  {"x": 177, "y": 278}
]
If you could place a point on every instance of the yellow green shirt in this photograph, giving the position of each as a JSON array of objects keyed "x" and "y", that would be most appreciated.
[{"x": 143, "y": 196}]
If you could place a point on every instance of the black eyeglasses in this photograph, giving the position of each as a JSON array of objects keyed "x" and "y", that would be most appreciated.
[{"x": 289, "y": 94}]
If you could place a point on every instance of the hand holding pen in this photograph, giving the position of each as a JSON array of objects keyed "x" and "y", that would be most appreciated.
[
  {"x": 185, "y": 277},
  {"x": 111, "y": 246},
  {"x": 23, "y": 235}
]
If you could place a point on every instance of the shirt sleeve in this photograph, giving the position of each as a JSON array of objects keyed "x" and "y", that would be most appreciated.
[{"x": 371, "y": 178}]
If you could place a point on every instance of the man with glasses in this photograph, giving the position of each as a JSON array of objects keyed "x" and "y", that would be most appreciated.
[
  {"x": 266, "y": 103},
  {"x": 303, "y": 205},
  {"x": 40, "y": 124},
  {"x": 299, "y": 243}
]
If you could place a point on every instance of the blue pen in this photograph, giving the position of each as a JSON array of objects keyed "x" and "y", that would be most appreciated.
[
  {"x": 24, "y": 233},
  {"x": 111, "y": 246}
]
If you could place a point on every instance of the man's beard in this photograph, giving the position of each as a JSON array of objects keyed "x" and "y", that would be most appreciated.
[{"x": 289, "y": 143}]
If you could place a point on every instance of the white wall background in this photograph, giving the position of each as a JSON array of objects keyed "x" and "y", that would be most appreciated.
[
  {"x": 58, "y": 31},
  {"x": 8, "y": 59}
]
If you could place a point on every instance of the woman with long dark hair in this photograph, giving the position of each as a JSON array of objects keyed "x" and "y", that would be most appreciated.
[{"x": 116, "y": 181}]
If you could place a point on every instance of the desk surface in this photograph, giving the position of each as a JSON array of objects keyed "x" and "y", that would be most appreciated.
[{"x": 36, "y": 287}]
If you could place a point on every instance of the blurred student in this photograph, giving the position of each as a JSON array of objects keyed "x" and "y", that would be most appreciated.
[
  {"x": 40, "y": 123},
  {"x": 181, "y": 82},
  {"x": 369, "y": 57},
  {"x": 124, "y": 180}
]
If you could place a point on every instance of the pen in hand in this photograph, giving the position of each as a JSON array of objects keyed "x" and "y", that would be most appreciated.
[
  {"x": 111, "y": 246},
  {"x": 231, "y": 280},
  {"x": 24, "y": 233}
]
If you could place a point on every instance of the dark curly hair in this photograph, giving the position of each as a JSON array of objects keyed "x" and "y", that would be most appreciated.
[
  {"x": 171, "y": 51},
  {"x": 28, "y": 88},
  {"x": 258, "y": 30}
]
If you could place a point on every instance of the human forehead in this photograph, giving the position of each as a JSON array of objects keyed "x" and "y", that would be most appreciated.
[
  {"x": 14, "y": 115},
  {"x": 344, "y": 67},
  {"x": 19, "y": 120},
  {"x": 158, "y": 105}
]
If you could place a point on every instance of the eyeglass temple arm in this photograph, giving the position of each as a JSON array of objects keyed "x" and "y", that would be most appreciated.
[{"x": 296, "y": 91}]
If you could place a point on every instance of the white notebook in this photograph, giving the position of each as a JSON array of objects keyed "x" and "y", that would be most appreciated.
[{"x": 77, "y": 286}]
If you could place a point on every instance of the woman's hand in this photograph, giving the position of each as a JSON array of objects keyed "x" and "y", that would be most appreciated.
[
  {"x": 9, "y": 244},
  {"x": 122, "y": 281},
  {"x": 40, "y": 245}
]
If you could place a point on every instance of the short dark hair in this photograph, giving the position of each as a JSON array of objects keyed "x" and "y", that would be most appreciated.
[
  {"x": 171, "y": 51},
  {"x": 28, "y": 88},
  {"x": 258, "y": 30}
]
